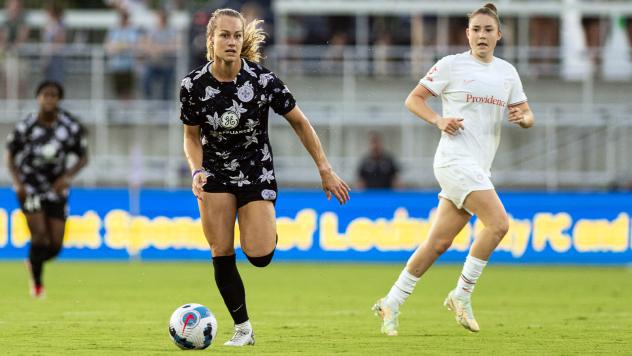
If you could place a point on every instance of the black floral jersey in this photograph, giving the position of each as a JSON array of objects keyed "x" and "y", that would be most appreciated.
[
  {"x": 233, "y": 118},
  {"x": 40, "y": 152}
]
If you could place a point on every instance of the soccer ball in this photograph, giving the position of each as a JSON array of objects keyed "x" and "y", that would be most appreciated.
[{"x": 192, "y": 326}]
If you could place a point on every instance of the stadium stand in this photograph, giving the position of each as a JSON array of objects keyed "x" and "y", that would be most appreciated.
[{"x": 577, "y": 82}]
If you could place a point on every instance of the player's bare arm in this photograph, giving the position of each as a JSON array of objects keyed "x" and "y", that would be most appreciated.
[
  {"x": 332, "y": 184},
  {"x": 416, "y": 102},
  {"x": 193, "y": 153},
  {"x": 17, "y": 184}
]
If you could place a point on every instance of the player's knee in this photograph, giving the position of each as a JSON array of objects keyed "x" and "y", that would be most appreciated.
[
  {"x": 261, "y": 261},
  {"x": 53, "y": 251},
  {"x": 440, "y": 246},
  {"x": 220, "y": 250},
  {"x": 501, "y": 227},
  {"x": 39, "y": 237}
]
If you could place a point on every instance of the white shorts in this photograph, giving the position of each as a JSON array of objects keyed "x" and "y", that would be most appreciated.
[{"x": 458, "y": 181}]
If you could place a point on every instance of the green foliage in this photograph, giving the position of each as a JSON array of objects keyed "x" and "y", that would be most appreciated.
[{"x": 316, "y": 309}]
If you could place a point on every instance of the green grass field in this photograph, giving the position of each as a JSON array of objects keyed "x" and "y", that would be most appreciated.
[{"x": 316, "y": 309}]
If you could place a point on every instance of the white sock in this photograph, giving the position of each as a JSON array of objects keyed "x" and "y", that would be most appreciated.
[
  {"x": 401, "y": 290},
  {"x": 472, "y": 269},
  {"x": 244, "y": 326}
]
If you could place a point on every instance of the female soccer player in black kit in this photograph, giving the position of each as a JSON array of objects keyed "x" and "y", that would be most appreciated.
[
  {"x": 37, "y": 151},
  {"x": 225, "y": 106}
]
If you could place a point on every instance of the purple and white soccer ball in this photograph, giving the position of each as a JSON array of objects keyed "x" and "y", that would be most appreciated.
[{"x": 192, "y": 326}]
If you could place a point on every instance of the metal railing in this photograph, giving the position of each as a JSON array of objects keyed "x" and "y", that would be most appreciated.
[{"x": 582, "y": 143}]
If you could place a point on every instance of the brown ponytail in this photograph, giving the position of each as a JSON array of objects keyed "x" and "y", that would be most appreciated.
[
  {"x": 254, "y": 36},
  {"x": 488, "y": 9}
]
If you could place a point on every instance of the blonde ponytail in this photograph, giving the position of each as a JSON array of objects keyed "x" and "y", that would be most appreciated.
[{"x": 254, "y": 37}]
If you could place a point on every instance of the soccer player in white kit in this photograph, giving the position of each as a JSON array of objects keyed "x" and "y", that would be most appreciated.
[{"x": 475, "y": 88}]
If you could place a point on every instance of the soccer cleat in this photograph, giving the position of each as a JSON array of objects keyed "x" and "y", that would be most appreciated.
[
  {"x": 37, "y": 292},
  {"x": 242, "y": 337},
  {"x": 389, "y": 317},
  {"x": 462, "y": 308}
]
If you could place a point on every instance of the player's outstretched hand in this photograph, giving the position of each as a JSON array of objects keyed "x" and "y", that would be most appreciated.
[
  {"x": 332, "y": 184},
  {"x": 199, "y": 179},
  {"x": 450, "y": 125}
]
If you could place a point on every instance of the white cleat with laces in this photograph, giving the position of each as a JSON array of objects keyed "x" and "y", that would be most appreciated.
[
  {"x": 389, "y": 316},
  {"x": 462, "y": 308},
  {"x": 243, "y": 336}
]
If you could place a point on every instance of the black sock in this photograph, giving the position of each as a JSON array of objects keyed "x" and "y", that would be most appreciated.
[
  {"x": 231, "y": 287},
  {"x": 52, "y": 251},
  {"x": 37, "y": 256}
]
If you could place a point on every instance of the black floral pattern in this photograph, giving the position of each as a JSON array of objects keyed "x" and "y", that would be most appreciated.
[
  {"x": 233, "y": 118},
  {"x": 40, "y": 152}
]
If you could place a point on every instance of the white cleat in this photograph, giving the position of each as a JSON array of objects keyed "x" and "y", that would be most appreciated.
[
  {"x": 389, "y": 316},
  {"x": 242, "y": 337},
  {"x": 462, "y": 309}
]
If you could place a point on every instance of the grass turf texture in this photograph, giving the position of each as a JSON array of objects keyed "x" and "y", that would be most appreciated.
[{"x": 316, "y": 309}]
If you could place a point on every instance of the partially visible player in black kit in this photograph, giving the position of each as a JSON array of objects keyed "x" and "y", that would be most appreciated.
[
  {"x": 225, "y": 107},
  {"x": 36, "y": 157}
]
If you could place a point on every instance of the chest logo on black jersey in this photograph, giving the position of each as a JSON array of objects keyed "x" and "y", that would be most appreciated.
[
  {"x": 245, "y": 93},
  {"x": 49, "y": 151},
  {"x": 229, "y": 120}
]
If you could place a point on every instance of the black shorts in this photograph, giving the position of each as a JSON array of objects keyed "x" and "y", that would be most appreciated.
[
  {"x": 245, "y": 194},
  {"x": 35, "y": 203}
]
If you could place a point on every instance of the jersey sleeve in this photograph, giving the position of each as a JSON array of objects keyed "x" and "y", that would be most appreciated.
[
  {"x": 516, "y": 95},
  {"x": 15, "y": 139},
  {"x": 282, "y": 100},
  {"x": 189, "y": 105},
  {"x": 438, "y": 77},
  {"x": 14, "y": 142},
  {"x": 80, "y": 144},
  {"x": 77, "y": 142}
]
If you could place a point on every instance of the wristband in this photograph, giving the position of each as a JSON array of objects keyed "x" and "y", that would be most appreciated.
[{"x": 199, "y": 170}]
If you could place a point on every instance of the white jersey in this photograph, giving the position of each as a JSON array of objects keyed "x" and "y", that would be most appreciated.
[{"x": 479, "y": 93}]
